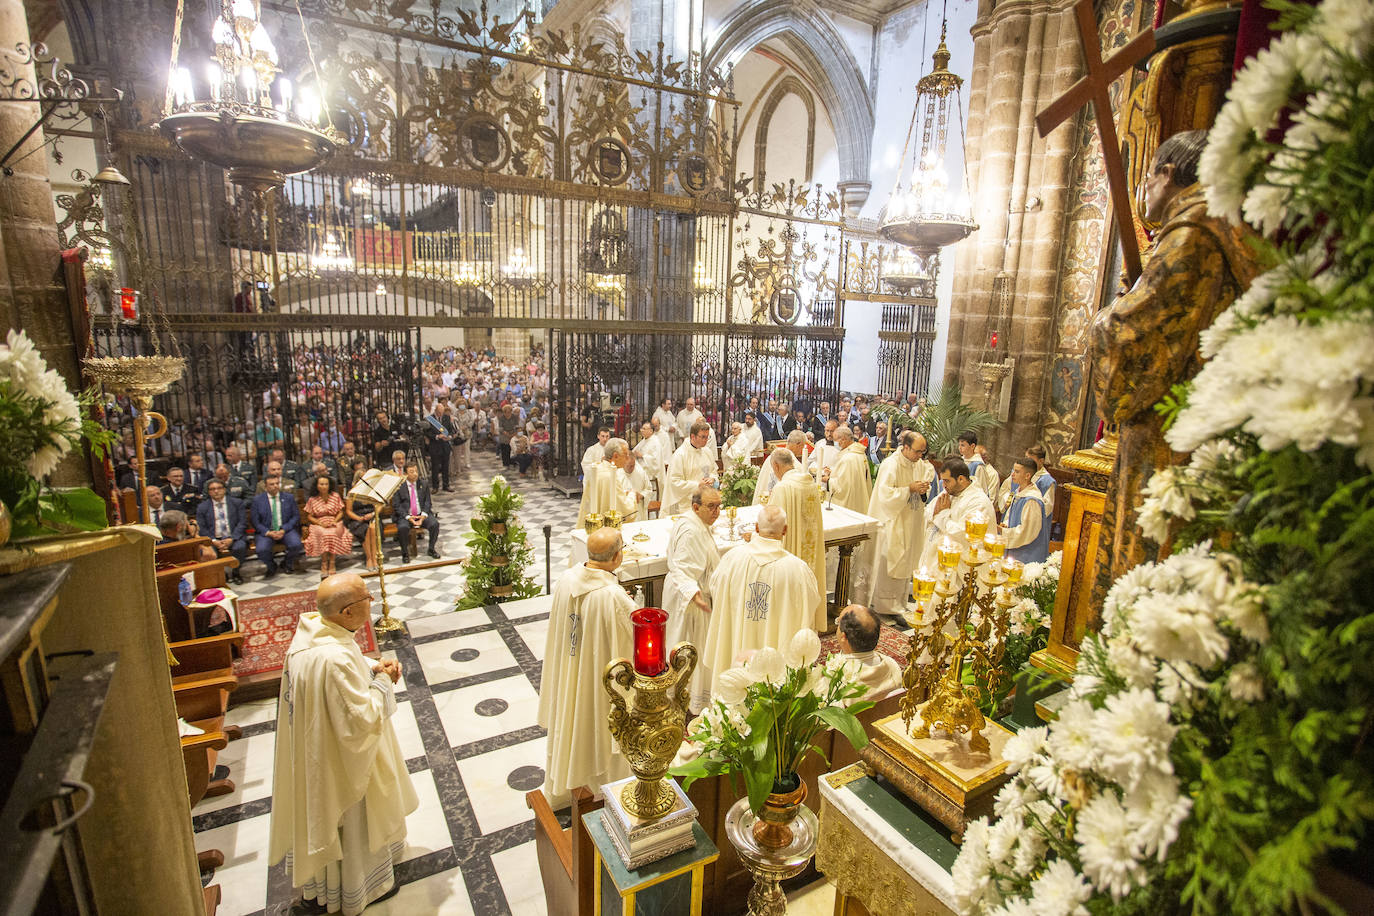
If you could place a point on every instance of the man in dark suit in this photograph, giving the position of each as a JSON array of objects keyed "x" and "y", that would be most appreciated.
[
  {"x": 384, "y": 441},
  {"x": 221, "y": 518},
  {"x": 234, "y": 485},
  {"x": 411, "y": 507},
  {"x": 196, "y": 472},
  {"x": 821, "y": 418},
  {"x": 440, "y": 431},
  {"x": 797, "y": 420},
  {"x": 770, "y": 423},
  {"x": 276, "y": 520}
]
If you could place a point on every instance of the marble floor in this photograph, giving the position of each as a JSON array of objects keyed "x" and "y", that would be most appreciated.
[{"x": 466, "y": 716}]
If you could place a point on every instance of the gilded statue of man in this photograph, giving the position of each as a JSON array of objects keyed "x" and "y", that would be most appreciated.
[{"x": 1147, "y": 340}]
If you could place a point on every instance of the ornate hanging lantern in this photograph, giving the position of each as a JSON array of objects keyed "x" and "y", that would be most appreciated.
[
  {"x": 252, "y": 122},
  {"x": 924, "y": 214}
]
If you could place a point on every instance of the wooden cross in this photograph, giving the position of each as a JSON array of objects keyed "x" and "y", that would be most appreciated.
[{"x": 1093, "y": 88}]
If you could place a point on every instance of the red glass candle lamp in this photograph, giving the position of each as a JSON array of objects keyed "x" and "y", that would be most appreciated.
[{"x": 651, "y": 653}]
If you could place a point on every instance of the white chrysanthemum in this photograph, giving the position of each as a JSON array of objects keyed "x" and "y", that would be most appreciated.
[
  {"x": 1245, "y": 683},
  {"x": 45, "y": 460},
  {"x": 1105, "y": 846},
  {"x": 1209, "y": 576},
  {"x": 1266, "y": 207},
  {"x": 1060, "y": 891},
  {"x": 1227, "y": 161},
  {"x": 1001, "y": 839},
  {"x": 1264, "y": 85},
  {"x": 1180, "y": 684},
  {"x": 1015, "y": 907},
  {"x": 1134, "y": 667},
  {"x": 1074, "y": 735},
  {"x": 1155, "y": 809},
  {"x": 1014, "y": 796},
  {"x": 972, "y": 870},
  {"x": 1215, "y": 455},
  {"x": 1244, "y": 608},
  {"x": 1178, "y": 628},
  {"x": 1347, "y": 25},
  {"x": 1135, "y": 734},
  {"x": 1024, "y": 746},
  {"x": 1030, "y": 852},
  {"x": 1308, "y": 416}
]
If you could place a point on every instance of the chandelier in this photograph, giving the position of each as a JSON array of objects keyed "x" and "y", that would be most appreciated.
[
  {"x": 331, "y": 255},
  {"x": 467, "y": 276},
  {"x": 911, "y": 273},
  {"x": 250, "y": 120},
  {"x": 924, "y": 215},
  {"x": 519, "y": 271}
]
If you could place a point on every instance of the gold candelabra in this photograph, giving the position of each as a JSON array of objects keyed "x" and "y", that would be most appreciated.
[
  {"x": 649, "y": 729},
  {"x": 385, "y": 623},
  {"x": 949, "y": 633}
]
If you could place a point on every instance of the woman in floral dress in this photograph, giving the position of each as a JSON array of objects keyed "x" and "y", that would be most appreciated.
[{"x": 328, "y": 536}]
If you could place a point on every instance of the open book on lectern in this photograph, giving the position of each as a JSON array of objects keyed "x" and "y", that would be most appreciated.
[{"x": 376, "y": 486}]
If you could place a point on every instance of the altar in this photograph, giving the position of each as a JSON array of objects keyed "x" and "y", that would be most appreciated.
[
  {"x": 881, "y": 851},
  {"x": 646, "y": 547}
]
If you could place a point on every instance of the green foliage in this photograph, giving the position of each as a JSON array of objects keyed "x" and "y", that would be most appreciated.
[
  {"x": 497, "y": 508},
  {"x": 738, "y": 482},
  {"x": 944, "y": 418},
  {"x": 767, "y": 735}
]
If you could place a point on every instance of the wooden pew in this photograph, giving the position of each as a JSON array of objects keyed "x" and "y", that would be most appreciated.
[
  {"x": 173, "y": 563},
  {"x": 565, "y": 856},
  {"x": 201, "y": 699}
]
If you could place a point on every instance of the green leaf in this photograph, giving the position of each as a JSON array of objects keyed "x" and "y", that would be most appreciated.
[
  {"x": 758, "y": 782},
  {"x": 80, "y": 508},
  {"x": 844, "y": 722}
]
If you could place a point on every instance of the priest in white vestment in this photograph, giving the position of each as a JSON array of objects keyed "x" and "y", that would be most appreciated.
[
  {"x": 859, "y": 630},
  {"x": 610, "y": 489},
  {"x": 664, "y": 420},
  {"x": 749, "y": 440},
  {"x": 589, "y": 628},
  {"x": 688, "y": 415},
  {"x": 799, "y": 499},
  {"x": 341, "y": 791},
  {"x": 768, "y": 479},
  {"x": 637, "y": 484},
  {"x": 664, "y": 437},
  {"x": 692, "y": 559},
  {"x": 946, "y": 516},
  {"x": 761, "y": 596},
  {"x": 594, "y": 455},
  {"x": 691, "y": 466},
  {"x": 650, "y": 459},
  {"x": 848, "y": 475},
  {"x": 886, "y": 563},
  {"x": 824, "y": 453}
]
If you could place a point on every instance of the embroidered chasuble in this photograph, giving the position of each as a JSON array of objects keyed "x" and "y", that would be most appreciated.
[
  {"x": 341, "y": 791},
  {"x": 692, "y": 559},
  {"x": 885, "y": 563},
  {"x": 589, "y": 627},
  {"x": 761, "y": 597},
  {"x": 796, "y": 495}
]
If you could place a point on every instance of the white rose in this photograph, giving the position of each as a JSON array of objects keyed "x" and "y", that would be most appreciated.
[{"x": 803, "y": 650}]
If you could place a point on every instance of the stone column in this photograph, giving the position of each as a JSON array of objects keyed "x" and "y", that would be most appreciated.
[
  {"x": 31, "y": 287},
  {"x": 1019, "y": 182}
]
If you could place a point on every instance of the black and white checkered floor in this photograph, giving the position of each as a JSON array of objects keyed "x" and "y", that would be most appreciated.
[{"x": 466, "y": 711}]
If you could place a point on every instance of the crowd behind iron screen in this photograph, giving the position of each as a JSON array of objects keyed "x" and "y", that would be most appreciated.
[{"x": 472, "y": 399}]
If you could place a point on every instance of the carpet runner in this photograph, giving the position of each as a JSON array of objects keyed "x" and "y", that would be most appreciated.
[{"x": 268, "y": 624}]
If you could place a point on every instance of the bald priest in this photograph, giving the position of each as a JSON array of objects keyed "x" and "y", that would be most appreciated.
[
  {"x": 341, "y": 791},
  {"x": 588, "y": 628}
]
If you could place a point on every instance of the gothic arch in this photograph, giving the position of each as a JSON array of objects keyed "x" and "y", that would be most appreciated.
[
  {"x": 781, "y": 89},
  {"x": 827, "y": 62}
]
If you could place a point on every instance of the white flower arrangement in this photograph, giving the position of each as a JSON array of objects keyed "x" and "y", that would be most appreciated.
[
  {"x": 786, "y": 696},
  {"x": 46, "y": 420},
  {"x": 1094, "y": 799}
]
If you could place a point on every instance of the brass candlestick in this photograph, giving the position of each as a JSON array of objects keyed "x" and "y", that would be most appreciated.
[
  {"x": 649, "y": 730},
  {"x": 593, "y": 522},
  {"x": 953, "y": 706},
  {"x": 386, "y": 623}
]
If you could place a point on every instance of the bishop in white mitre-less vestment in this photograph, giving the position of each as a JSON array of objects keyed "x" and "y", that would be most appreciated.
[
  {"x": 948, "y": 517},
  {"x": 340, "y": 791},
  {"x": 691, "y": 464},
  {"x": 761, "y": 596},
  {"x": 692, "y": 559},
  {"x": 796, "y": 495},
  {"x": 886, "y": 564},
  {"x": 589, "y": 627}
]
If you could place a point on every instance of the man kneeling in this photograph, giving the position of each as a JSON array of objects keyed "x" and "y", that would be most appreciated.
[
  {"x": 341, "y": 791},
  {"x": 859, "y": 631}
]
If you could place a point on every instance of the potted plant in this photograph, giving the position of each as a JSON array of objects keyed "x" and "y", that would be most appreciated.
[
  {"x": 499, "y": 552},
  {"x": 765, "y": 720},
  {"x": 738, "y": 482}
]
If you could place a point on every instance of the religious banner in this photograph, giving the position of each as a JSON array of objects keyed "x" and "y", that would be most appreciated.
[{"x": 380, "y": 247}]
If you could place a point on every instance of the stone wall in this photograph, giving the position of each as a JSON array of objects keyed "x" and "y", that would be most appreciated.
[{"x": 1041, "y": 206}]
